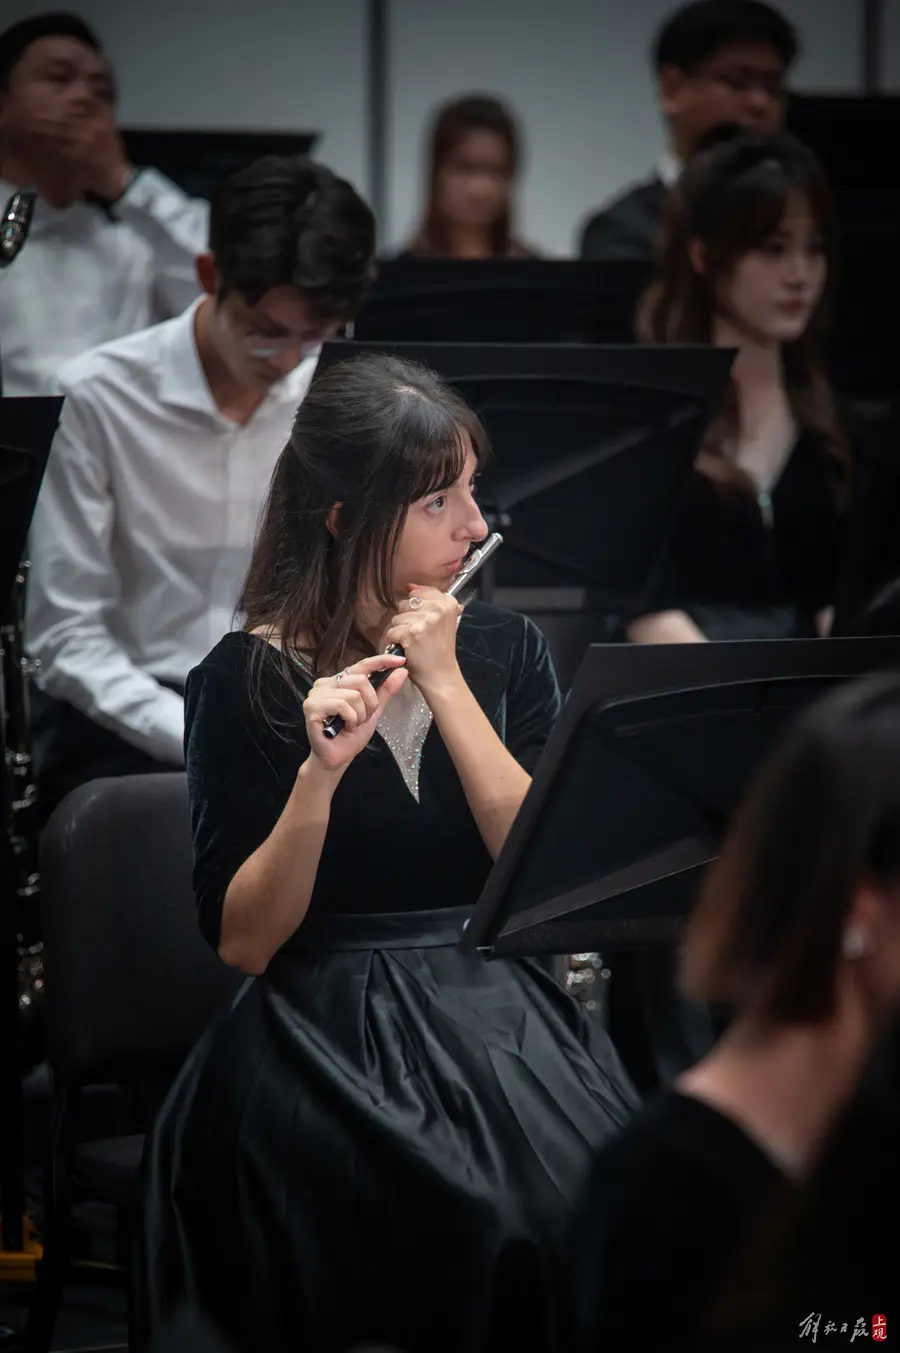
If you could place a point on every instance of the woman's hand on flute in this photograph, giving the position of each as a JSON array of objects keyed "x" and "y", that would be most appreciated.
[
  {"x": 351, "y": 695},
  {"x": 425, "y": 628}
]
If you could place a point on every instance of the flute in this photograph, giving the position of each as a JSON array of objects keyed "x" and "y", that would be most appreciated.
[{"x": 334, "y": 723}]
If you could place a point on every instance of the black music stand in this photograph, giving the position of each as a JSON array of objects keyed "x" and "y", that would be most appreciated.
[
  {"x": 27, "y": 427},
  {"x": 848, "y": 132},
  {"x": 592, "y": 446},
  {"x": 502, "y": 301},
  {"x": 26, "y": 431},
  {"x": 869, "y": 588},
  {"x": 198, "y": 160},
  {"x": 630, "y": 801}
]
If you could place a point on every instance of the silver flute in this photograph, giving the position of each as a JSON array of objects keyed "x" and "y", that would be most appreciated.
[{"x": 479, "y": 556}]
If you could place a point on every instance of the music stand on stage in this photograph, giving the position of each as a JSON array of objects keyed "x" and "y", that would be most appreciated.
[
  {"x": 848, "y": 132},
  {"x": 592, "y": 446},
  {"x": 27, "y": 426},
  {"x": 502, "y": 301},
  {"x": 199, "y": 159},
  {"x": 632, "y": 796}
]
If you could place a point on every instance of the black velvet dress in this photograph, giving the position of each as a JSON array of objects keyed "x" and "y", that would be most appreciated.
[{"x": 382, "y": 1139}]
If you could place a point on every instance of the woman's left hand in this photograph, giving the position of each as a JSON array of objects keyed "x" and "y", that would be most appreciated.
[{"x": 425, "y": 628}]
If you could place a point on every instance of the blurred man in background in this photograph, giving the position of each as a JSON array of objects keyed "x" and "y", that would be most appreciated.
[
  {"x": 111, "y": 248},
  {"x": 716, "y": 61},
  {"x": 163, "y": 457}
]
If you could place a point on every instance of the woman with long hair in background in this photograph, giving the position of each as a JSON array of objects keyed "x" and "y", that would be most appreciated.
[
  {"x": 745, "y": 263},
  {"x": 473, "y": 160}
]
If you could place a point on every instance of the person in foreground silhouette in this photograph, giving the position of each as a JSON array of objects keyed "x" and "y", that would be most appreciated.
[
  {"x": 797, "y": 935},
  {"x": 821, "y": 1262}
]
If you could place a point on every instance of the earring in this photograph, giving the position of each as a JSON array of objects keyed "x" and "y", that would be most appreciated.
[{"x": 855, "y": 943}]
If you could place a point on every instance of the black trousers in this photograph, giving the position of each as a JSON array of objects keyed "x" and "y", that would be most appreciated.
[{"x": 70, "y": 750}]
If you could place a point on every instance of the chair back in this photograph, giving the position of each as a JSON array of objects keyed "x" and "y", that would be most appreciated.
[{"x": 130, "y": 982}]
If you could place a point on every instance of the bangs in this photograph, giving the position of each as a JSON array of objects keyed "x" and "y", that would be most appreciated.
[
  {"x": 431, "y": 445},
  {"x": 751, "y": 210},
  {"x": 441, "y": 469},
  {"x": 438, "y": 467},
  {"x": 758, "y": 207}
]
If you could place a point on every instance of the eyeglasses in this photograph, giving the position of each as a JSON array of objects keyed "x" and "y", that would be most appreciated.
[
  {"x": 769, "y": 83},
  {"x": 265, "y": 346}
]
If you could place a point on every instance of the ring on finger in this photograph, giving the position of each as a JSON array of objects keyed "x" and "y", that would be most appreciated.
[
  {"x": 414, "y": 603},
  {"x": 341, "y": 675}
]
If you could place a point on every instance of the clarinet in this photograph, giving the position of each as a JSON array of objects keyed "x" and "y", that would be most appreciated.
[
  {"x": 19, "y": 791},
  {"x": 20, "y": 798},
  {"x": 15, "y": 224}
]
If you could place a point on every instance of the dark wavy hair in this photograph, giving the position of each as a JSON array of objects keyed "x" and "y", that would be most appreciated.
[
  {"x": 374, "y": 434},
  {"x": 821, "y": 817},
  {"x": 289, "y": 221},
  {"x": 453, "y": 122},
  {"x": 731, "y": 198}
]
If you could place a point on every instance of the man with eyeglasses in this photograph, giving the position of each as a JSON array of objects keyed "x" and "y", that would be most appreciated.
[
  {"x": 716, "y": 62},
  {"x": 162, "y": 460}
]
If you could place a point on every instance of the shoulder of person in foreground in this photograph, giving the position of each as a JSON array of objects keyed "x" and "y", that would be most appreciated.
[
  {"x": 818, "y": 1249},
  {"x": 656, "y": 1220}
]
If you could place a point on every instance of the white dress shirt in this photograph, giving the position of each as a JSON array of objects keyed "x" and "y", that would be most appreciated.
[
  {"x": 668, "y": 168},
  {"x": 82, "y": 278},
  {"x": 144, "y": 528}
]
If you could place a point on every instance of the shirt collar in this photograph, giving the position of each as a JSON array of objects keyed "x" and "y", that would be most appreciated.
[
  {"x": 668, "y": 168},
  {"x": 44, "y": 213},
  {"x": 182, "y": 380}
]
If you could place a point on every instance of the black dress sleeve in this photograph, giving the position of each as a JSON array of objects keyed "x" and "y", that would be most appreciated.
[
  {"x": 240, "y": 774},
  {"x": 533, "y": 698}
]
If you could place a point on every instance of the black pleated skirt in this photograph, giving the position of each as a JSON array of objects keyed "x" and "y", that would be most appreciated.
[{"x": 381, "y": 1141}]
